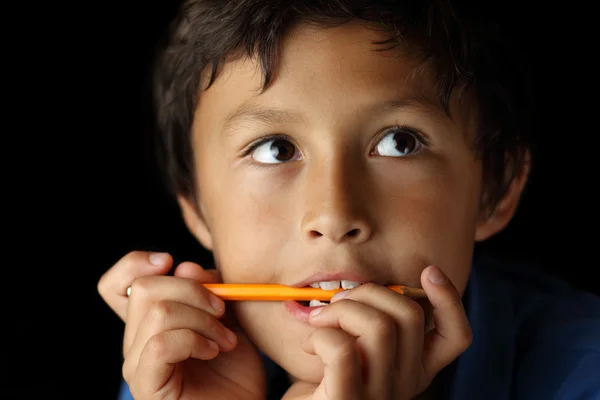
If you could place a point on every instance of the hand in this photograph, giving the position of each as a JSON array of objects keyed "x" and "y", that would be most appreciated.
[
  {"x": 178, "y": 342},
  {"x": 113, "y": 284},
  {"x": 373, "y": 343}
]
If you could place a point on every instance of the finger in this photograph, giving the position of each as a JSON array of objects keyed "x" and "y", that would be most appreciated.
[
  {"x": 339, "y": 355},
  {"x": 113, "y": 284},
  {"x": 408, "y": 318},
  {"x": 194, "y": 271},
  {"x": 168, "y": 315},
  {"x": 376, "y": 340},
  {"x": 159, "y": 359},
  {"x": 452, "y": 334},
  {"x": 146, "y": 291}
]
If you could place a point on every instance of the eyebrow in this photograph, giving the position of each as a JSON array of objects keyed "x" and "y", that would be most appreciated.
[
  {"x": 261, "y": 114},
  {"x": 418, "y": 103},
  {"x": 273, "y": 116}
]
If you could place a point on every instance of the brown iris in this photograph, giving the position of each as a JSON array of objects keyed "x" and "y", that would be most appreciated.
[
  {"x": 405, "y": 142},
  {"x": 282, "y": 150}
]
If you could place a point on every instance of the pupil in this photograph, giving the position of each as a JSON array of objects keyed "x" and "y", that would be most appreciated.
[
  {"x": 282, "y": 150},
  {"x": 405, "y": 143}
]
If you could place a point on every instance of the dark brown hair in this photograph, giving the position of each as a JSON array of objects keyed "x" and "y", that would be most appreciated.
[{"x": 463, "y": 45}]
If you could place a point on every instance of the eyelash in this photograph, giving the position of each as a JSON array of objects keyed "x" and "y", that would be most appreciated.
[
  {"x": 257, "y": 143},
  {"x": 397, "y": 128},
  {"x": 404, "y": 128}
]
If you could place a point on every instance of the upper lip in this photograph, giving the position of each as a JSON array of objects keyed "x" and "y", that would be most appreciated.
[{"x": 335, "y": 276}]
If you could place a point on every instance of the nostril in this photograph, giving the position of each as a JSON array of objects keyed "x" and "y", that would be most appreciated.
[{"x": 353, "y": 233}]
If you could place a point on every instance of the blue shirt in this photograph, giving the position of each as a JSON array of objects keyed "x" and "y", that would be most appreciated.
[{"x": 534, "y": 337}]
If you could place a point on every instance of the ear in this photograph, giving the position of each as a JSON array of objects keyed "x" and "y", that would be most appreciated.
[
  {"x": 195, "y": 221},
  {"x": 491, "y": 224}
]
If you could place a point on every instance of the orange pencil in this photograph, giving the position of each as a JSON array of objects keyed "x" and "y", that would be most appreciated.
[{"x": 276, "y": 292}]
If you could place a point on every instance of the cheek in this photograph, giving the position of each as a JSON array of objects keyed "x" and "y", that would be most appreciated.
[
  {"x": 251, "y": 227},
  {"x": 433, "y": 216},
  {"x": 451, "y": 225}
]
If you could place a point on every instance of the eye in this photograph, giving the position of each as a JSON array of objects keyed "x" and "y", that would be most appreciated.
[
  {"x": 274, "y": 151},
  {"x": 400, "y": 142}
]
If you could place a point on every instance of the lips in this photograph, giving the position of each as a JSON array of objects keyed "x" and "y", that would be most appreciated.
[
  {"x": 326, "y": 281},
  {"x": 329, "y": 285},
  {"x": 298, "y": 310},
  {"x": 332, "y": 277}
]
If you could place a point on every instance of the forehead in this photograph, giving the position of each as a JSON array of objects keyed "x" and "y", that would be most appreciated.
[
  {"x": 319, "y": 70},
  {"x": 344, "y": 52}
]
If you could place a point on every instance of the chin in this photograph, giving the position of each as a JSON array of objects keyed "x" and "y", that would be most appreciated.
[{"x": 305, "y": 368}]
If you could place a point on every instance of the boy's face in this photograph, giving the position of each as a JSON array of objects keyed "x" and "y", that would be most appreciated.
[{"x": 361, "y": 174}]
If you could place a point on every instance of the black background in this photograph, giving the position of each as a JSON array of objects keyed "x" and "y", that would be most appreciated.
[{"x": 86, "y": 192}]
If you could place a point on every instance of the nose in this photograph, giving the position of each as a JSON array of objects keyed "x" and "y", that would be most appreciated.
[
  {"x": 335, "y": 207},
  {"x": 337, "y": 229}
]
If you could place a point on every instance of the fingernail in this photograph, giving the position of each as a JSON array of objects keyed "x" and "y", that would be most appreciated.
[
  {"x": 230, "y": 336},
  {"x": 436, "y": 276},
  {"x": 158, "y": 259},
  {"x": 339, "y": 295},
  {"x": 316, "y": 311},
  {"x": 216, "y": 303}
]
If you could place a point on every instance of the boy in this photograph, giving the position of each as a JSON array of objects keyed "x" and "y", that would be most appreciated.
[{"x": 346, "y": 143}]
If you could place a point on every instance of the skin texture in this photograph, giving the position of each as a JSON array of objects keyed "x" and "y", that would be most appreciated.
[
  {"x": 283, "y": 222},
  {"x": 378, "y": 181}
]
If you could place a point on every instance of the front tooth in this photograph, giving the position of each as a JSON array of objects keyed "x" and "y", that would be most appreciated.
[
  {"x": 315, "y": 285},
  {"x": 315, "y": 303},
  {"x": 330, "y": 285},
  {"x": 349, "y": 284}
]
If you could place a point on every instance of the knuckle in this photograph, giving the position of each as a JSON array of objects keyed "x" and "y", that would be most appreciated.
[
  {"x": 102, "y": 286},
  {"x": 413, "y": 313},
  {"x": 122, "y": 269},
  {"x": 158, "y": 346},
  {"x": 200, "y": 291},
  {"x": 345, "y": 351},
  {"x": 384, "y": 325},
  {"x": 367, "y": 288},
  {"x": 161, "y": 311},
  {"x": 141, "y": 286},
  {"x": 455, "y": 303},
  {"x": 127, "y": 370},
  {"x": 466, "y": 339}
]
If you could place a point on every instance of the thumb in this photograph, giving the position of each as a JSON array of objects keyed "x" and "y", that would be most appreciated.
[{"x": 194, "y": 271}]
